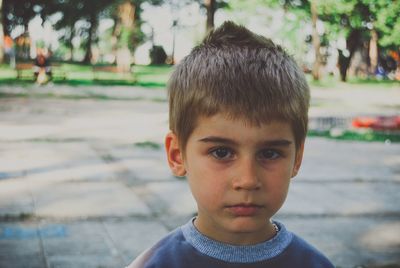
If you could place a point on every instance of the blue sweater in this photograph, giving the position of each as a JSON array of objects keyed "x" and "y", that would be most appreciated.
[{"x": 187, "y": 247}]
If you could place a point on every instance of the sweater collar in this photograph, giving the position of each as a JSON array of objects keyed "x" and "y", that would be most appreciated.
[{"x": 239, "y": 254}]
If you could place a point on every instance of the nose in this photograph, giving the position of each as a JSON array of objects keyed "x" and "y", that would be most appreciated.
[{"x": 246, "y": 177}]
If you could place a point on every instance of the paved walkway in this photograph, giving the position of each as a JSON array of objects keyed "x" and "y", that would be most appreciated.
[{"x": 84, "y": 182}]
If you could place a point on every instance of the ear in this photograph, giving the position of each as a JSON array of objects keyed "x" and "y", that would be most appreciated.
[
  {"x": 174, "y": 155},
  {"x": 298, "y": 160}
]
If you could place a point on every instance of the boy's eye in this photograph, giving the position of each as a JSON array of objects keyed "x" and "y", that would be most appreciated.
[
  {"x": 222, "y": 153},
  {"x": 269, "y": 154}
]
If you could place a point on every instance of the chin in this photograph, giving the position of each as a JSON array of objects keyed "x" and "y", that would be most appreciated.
[{"x": 247, "y": 225}]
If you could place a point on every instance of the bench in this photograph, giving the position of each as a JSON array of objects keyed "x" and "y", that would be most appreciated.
[
  {"x": 26, "y": 70},
  {"x": 22, "y": 68},
  {"x": 58, "y": 72},
  {"x": 102, "y": 72}
]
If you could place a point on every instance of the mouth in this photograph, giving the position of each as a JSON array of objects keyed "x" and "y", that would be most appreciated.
[{"x": 244, "y": 210}]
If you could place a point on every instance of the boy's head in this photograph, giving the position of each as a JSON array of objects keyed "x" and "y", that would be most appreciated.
[
  {"x": 238, "y": 116},
  {"x": 243, "y": 75}
]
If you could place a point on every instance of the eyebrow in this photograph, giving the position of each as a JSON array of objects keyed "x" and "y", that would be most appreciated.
[{"x": 216, "y": 139}]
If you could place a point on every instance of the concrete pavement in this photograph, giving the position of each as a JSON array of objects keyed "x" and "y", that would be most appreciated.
[{"x": 84, "y": 181}]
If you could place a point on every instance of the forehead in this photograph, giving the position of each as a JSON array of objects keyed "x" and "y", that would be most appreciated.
[{"x": 240, "y": 128}]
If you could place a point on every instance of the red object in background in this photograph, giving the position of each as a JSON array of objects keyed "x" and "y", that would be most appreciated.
[
  {"x": 377, "y": 123},
  {"x": 360, "y": 122}
]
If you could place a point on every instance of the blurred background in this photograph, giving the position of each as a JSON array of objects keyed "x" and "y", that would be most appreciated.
[
  {"x": 356, "y": 38},
  {"x": 83, "y": 114}
]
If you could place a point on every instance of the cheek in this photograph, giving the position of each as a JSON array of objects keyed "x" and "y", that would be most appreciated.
[
  {"x": 207, "y": 198},
  {"x": 206, "y": 185},
  {"x": 278, "y": 174},
  {"x": 276, "y": 183}
]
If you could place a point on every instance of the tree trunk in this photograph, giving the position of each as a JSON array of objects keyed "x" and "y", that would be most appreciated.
[
  {"x": 92, "y": 29},
  {"x": 373, "y": 51},
  {"x": 114, "y": 37},
  {"x": 127, "y": 14},
  {"x": 353, "y": 42},
  {"x": 28, "y": 45},
  {"x": 174, "y": 25},
  {"x": 4, "y": 21},
  {"x": 124, "y": 30},
  {"x": 1, "y": 35},
  {"x": 343, "y": 62},
  {"x": 211, "y": 7},
  {"x": 70, "y": 44},
  {"x": 316, "y": 42}
]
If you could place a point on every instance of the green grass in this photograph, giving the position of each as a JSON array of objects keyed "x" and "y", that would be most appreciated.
[
  {"x": 349, "y": 135},
  {"x": 372, "y": 82},
  {"x": 157, "y": 76},
  {"x": 71, "y": 96},
  {"x": 331, "y": 82},
  {"x": 78, "y": 74},
  {"x": 148, "y": 144}
]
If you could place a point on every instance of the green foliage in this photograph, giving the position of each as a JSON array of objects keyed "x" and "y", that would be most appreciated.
[
  {"x": 387, "y": 21},
  {"x": 343, "y": 16},
  {"x": 136, "y": 37},
  {"x": 71, "y": 11},
  {"x": 125, "y": 37}
]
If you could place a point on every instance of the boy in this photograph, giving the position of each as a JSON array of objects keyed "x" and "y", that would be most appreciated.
[{"x": 238, "y": 119}]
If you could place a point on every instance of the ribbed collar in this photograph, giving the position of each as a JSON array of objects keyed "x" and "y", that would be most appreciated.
[{"x": 239, "y": 254}]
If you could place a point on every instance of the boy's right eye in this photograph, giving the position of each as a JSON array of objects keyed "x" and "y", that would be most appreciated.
[{"x": 222, "y": 153}]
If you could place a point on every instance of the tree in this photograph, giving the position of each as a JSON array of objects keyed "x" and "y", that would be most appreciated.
[
  {"x": 350, "y": 19},
  {"x": 127, "y": 33},
  {"x": 76, "y": 10},
  {"x": 17, "y": 13},
  {"x": 1, "y": 34},
  {"x": 124, "y": 26},
  {"x": 386, "y": 26},
  {"x": 128, "y": 28},
  {"x": 375, "y": 23},
  {"x": 20, "y": 13},
  {"x": 316, "y": 42},
  {"x": 302, "y": 9},
  {"x": 71, "y": 12},
  {"x": 383, "y": 16},
  {"x": 91, "y": 11},
  {"x": 359, "y": 21},
  {"x": 211, "y": 7}
]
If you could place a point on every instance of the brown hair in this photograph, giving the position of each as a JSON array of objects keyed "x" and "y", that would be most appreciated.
[{"x": 242, "y": 74}]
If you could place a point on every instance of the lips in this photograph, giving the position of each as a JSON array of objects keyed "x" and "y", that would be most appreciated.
[{"x": 244, "y": 210}]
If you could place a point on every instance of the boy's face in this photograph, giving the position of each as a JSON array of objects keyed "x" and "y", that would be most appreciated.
[{"x": 238, "y": 173}]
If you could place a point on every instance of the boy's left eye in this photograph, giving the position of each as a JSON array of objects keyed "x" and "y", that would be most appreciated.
[{"x": 269, "y": 154}]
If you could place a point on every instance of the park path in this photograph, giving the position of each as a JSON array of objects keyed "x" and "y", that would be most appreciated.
[{"x": 84, "y": 181}]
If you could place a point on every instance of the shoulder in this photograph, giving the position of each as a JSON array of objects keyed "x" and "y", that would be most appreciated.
[
  {"x": 302, "y": 252},
  {"x": 165, "y": 253}
]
